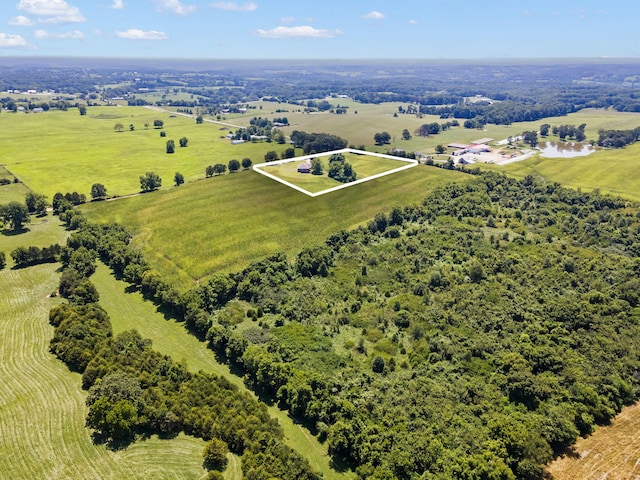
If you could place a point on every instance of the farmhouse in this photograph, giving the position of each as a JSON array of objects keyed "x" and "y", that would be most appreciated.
[{"x": 305, "y": 167}]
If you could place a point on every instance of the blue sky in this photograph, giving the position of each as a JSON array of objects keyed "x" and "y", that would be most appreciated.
[{"x": 424, "y": 29}]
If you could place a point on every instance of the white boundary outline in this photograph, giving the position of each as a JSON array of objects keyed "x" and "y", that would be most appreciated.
[{"x": 410, "y": 164}]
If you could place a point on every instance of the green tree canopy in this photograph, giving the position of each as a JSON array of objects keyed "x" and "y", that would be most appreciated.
[
  {"x": 150, "y": 181},
  {"x": 98, "y": 191},
  {"x": 14, "y": 215}
]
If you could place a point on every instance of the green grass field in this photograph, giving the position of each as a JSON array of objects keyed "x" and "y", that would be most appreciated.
[
  {"x": 41, "y": 232},
  {"x": 223, "y": 223},
  {"x": 42, "y": 409},
  {"x": 361, "y": 127},
  {"x": 616, "y": 172},
  {"x": 364, "y": 165},
  {"x": 66, "y": 152},
  {"x": 130, "y": 311}
]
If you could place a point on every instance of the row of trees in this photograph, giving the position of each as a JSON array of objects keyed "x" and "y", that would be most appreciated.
[
  {"x": 28, "y": 256},
  {"x": 133, "y": 390}
]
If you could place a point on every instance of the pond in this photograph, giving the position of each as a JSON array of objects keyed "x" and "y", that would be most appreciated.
[{"x": 565, "y": 149}]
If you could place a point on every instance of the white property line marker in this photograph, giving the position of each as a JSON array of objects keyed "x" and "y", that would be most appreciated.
[{"x": 409, "y": 164}]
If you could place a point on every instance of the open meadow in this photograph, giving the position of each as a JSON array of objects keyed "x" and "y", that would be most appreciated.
[
  {"x": 224, "y": 223},
  {"x": 612, "y": 452},
  {"x": 359, "y": 128}
]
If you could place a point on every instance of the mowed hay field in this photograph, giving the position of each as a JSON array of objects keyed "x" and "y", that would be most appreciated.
[
  {"x": 129, "y": 310},
  {"x": 42, "y": 409},
  {"x": 223, "y": 223},
  {"x": 611, "y": 453}
]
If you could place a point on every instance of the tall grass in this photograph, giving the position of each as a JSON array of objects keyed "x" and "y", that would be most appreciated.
[{"x": 223, "y": 223}]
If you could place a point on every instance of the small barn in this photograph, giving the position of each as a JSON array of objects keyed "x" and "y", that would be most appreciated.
[{"x": 305, "y": 167}]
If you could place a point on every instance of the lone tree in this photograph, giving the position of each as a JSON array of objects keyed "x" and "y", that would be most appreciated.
[
  {"x": 171, "y": 146},
  {"x": 158, "y": 124},
  {"x": 183, "y": 141},
  {"x": 150, "y": 181},
  {"x": 382, "y": 138},
  {"x": 440, "y": 149},
  {"x": 234, "y": 165},
  {"x": 406, "y": 135},
  {"x": 209, "y": 171},
  {"x": 271, "y": 156},
  {"x": 118, "y": 127},
  {"x": 199, "y": 119},
  {"x": 82, "y": 109},
  {"x": 246, "y": 163},
  {"x": 530, "y": 138},
  {"x": 14, "y": 215},
  {"x": 98, "y": 191}
]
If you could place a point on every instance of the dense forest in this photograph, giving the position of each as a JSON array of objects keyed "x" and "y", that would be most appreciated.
[
  {"x": 473, "y": 336},
  {"x": 511, "y": 92}
]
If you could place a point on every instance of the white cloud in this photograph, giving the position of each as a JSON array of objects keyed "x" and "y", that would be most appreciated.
[
  {"x": 117, "y": 5},
  {"x": 20, "y": 21},
  {"x": 175, "y": 6},
  {"x": 287, "y": 19},
  {"x": 74, "y": 35},
  {"x": 12, "y": 41},
  {"x": 135, "y": 34},
  {"x": 413, "y": 22},
  {"x": 235, "y": 7},
  {"x": 373, "y": 15},
  {"x": 301, "y": 31},
  {"x": 52, "y": 11}
]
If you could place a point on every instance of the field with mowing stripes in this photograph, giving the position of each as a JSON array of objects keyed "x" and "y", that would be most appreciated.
[{"x": 42, "y": 410}]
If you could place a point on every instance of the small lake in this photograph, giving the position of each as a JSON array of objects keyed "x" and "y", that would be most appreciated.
[{"x": 565, "y": 149}]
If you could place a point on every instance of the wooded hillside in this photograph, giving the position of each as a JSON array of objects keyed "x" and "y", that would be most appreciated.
[{"x": 472, "y": 336}]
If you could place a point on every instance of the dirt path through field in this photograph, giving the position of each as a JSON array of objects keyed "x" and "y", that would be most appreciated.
[{"x": 611, "y": 453}]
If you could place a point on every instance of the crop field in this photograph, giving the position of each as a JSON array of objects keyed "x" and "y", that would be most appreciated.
[
  {"x": 611, "y": 171},
  {"x": 42, "y": 409},
  {"x": 130, "y": 311},
  {"x": 223, "y": 223},
  {"x": 611, "y": 452}
]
